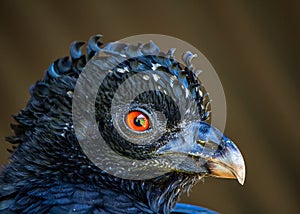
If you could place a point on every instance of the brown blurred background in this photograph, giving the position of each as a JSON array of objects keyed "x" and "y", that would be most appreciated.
[{"x": 253, "y": 46}]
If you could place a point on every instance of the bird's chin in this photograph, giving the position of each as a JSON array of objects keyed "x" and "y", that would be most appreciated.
[
  {"x": 221, "y": 171},
  {"x": 212, "y": 168}
]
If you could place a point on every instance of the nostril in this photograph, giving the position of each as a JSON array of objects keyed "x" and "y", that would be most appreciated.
[{"x": 220, "y": 147}]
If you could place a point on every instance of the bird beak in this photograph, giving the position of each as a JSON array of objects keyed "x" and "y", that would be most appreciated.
[
  {"x": 208, "y": 151},
  {"x": 228, "y": 164}
]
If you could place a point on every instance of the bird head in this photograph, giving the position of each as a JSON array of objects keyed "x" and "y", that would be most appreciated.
[{"x": 152, "y": 115}]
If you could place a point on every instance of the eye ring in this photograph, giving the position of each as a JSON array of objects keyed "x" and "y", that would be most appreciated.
[{"x": 137, "y": 121}]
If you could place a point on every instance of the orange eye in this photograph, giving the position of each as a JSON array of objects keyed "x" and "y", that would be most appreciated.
[{"x": 137, "y": 121}]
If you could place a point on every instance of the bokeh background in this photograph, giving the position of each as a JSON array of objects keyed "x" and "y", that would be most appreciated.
[{"x": 253, "y": 46}]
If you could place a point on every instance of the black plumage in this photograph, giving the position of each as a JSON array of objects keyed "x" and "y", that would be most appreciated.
[{"x": 49, "y": 171}]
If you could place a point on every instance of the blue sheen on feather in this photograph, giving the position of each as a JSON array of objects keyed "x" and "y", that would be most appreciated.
[
  {"x": 75, "y": 50},
  {"x": 52, "y": 72},
  {"x": 191, "y": 209}
]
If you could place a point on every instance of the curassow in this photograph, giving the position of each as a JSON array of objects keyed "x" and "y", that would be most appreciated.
[{"x": 154, "y": 139}]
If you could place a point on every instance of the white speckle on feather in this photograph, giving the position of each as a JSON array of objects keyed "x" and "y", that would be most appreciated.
[
  {"x": 155, "y": 66},
  {"x": 172, "y": 79},
  {"x": 201, "y": 94},
  {"x": 121, "y": 70},
  {"x": 126, "y": 69},
  {"x": 70, "y": 94},
  {"x": 146, "y": 77},
  {"x": 156, "y": 77},
  {"x": 187, "y": 92}
]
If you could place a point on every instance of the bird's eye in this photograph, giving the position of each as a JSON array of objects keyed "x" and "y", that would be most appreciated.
[{"x": 137, "y": 121}]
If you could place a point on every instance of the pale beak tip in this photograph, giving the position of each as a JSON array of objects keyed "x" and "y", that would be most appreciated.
[
  {"x": 241, "y": 177},
  {"x": 241, "y": 173},
  {"x": 237, "y": 166}
]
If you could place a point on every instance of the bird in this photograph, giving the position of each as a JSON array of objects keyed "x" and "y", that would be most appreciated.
[{"x": 133, "y": 142}]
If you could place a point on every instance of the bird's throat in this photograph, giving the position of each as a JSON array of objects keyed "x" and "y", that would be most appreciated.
[{"x": 163, "y": 192}]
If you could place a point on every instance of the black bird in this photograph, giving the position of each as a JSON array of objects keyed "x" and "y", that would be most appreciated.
[{"x": 152, "y": 146}]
